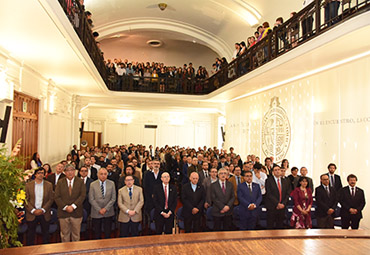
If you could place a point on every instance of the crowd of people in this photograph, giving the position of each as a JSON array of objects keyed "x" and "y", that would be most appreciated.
[{"x": 133, "y": 185}]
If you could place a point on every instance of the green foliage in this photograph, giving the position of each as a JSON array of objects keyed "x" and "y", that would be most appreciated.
[{"x": 11, "y": 192}]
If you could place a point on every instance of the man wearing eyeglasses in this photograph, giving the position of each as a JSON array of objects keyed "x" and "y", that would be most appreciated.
[{"x": 130, "y": 201}]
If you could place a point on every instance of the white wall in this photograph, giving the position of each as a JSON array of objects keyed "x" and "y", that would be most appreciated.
[
  {"x": 173, "y": 128},
  {"x": 55, "y": 130},
  {"x": 329, "y": 115}
]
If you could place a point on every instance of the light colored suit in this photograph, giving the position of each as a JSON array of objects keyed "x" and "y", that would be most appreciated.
[
  {"x": 135, "y": 204},
  {"x": 97, "y": 201},
  {"x": 47, "y": 200}
]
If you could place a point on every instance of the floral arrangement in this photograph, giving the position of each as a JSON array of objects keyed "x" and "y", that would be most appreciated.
[{"x": 12, "y": 195}]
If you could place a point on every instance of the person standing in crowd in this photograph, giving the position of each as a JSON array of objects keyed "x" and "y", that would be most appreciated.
[
  {"x": 55, "y": 177},
  {"x": 223, "y": 197},
  {"x": 151, "y": 179},
  {"x": 87, "y": 181},
  {"x": 207, "y": 186},
  {"x": 70, "y": 193},
  {"x": 193, "y": 197},
  {"x": 352, "y": 200},
  {"x": 130, "y": 202},
  {"x": 36, "y": 161},
  {"x": 334, "y": 179},
  {"x": 165, "y": 202},
  {"x": 39, "y": 197},
  {"x": 250, "y": 198},
  {"x": 302, "y": 197},
  {"x": 235, "y": 180},
  {"x": 326, "y": 200},
  {"x": 304, "y": 172},
  {"x": 293, "y": 178},
  {"x": 102, "y": 196},
  {"x": 277, "y": 194}
]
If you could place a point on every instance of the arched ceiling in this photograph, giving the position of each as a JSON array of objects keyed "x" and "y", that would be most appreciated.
[{"x": 216, "y": 24}]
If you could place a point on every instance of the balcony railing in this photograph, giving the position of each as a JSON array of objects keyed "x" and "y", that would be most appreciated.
[{"x": 310, "y": 22}]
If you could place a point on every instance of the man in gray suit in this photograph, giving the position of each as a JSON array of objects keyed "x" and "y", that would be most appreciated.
[
  {"x": 130, "y": 201},
  {"x": 207, "y": 186},
  {"x": 102, "y": 196},
  {"x": 223, "y": 196}
]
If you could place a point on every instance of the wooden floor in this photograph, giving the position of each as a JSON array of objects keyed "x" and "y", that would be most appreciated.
[{"x": 349, "y": 242}]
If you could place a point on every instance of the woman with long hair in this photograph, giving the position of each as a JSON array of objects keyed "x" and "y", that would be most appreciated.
[
  {"x": 36, "y": 161},
  {"x": 302, "y": 196}
]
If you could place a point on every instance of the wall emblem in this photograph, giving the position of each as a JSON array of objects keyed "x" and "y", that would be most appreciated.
[{"x": 275, "y": 131}]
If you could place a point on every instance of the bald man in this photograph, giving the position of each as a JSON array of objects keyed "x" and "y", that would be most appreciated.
[
  {"x": 193, "y": 198},
  {"x": 165, "y": 201}
]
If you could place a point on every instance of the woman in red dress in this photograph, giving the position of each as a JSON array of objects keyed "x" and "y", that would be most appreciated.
[{"x": 302, "y": 196}]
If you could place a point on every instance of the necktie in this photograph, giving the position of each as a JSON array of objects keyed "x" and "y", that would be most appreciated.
[
  {"x": 279, "y": 187},
  {"x": 165, "y": 197},
  {"x": 237, "y": 183},
  {"x": 353, "y": 192},
  {"x": 102, "y": 189},
  {"x": 332, "y": 181},
  {"x": 223, "y": 188},
  {"x": 206, "y": 174},
  {"x": 70, "y": 187},
  {"x": 327, "y": 190},
  {"x": 250, "y": 188},
  {"x": 130, "y": 192}
]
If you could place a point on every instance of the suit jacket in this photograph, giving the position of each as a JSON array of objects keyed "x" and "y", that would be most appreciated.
[
  {"x": 347, "y": 201},
  {"x": 324, "y": 201},
  {"x": 47, "y": 200},
  {"x": 219, "y": 199},
  {"x": 219, "y": 166},
  {"x": 201, "y": 176},
  {"x": 51, "y": 178},
  {"x": 246, "y": 197},
  {"x": 232, "y": 179},
  {"x": 86, "y": 203},
  {"x": 94, "y": 173},
  {"x": 207, "y": 187},
  {"x": 192, "y": 168},
  {"x": 114, "y": 177},
  {"x": 272, "y": 192},
  {"x": 191, "y": 199},
  {"x": 149, "y": 183},
  {"x": 337, "y": 183},
  {"x": 135, "y": 204},
  {"x": 97, "y": 201},
  {"x": 159, "y": 199},
  {"x": 185, "y": 175},
  {"x": 62, "y": 197}
]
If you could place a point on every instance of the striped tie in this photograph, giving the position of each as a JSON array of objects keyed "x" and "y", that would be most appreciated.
[{"x": 102, "y": 189}]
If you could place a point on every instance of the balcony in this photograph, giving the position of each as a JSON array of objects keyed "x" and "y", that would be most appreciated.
[{"x": 309, "y": 23}]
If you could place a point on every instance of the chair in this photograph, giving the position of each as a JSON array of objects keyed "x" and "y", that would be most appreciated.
[
  {"x": 209, "y": 221},
  {"x": 180, "y": 219},
  {"x": 288, "y": 214}
]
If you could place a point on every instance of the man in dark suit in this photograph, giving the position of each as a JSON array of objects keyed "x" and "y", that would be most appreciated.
[
  {"x": 151, "y": 179},
  {"x": 352, "y": 200},
  {"x": 250, "y": 198},
  {"x": 185, "y": 167},
  {"x": 39, "y": 197},
  {"x": 92, "y": 172},
  {"x": 70, "y": 193},
  {"x": 269, "y": 166},
  {"x": 195, "y": 167},
  {"x": 55, "y": 177},
  {"x": 102, "y": 197},
  {"x": 193, "y": 197},
  {"x": 165, "y": 201},
  {"x": 326, "y": 200},
  {"x": 113, "y": 176},
  {"x": 334, "y": 179},
  {"x": 277, "y": 194},
  {"x": 222, "y": 163},
  {"x": 223, "y": 196},
  {"x": 87, "y": 181},
  {"x": 204, "y": 172},
  {"x": 207, "y": 186}
]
